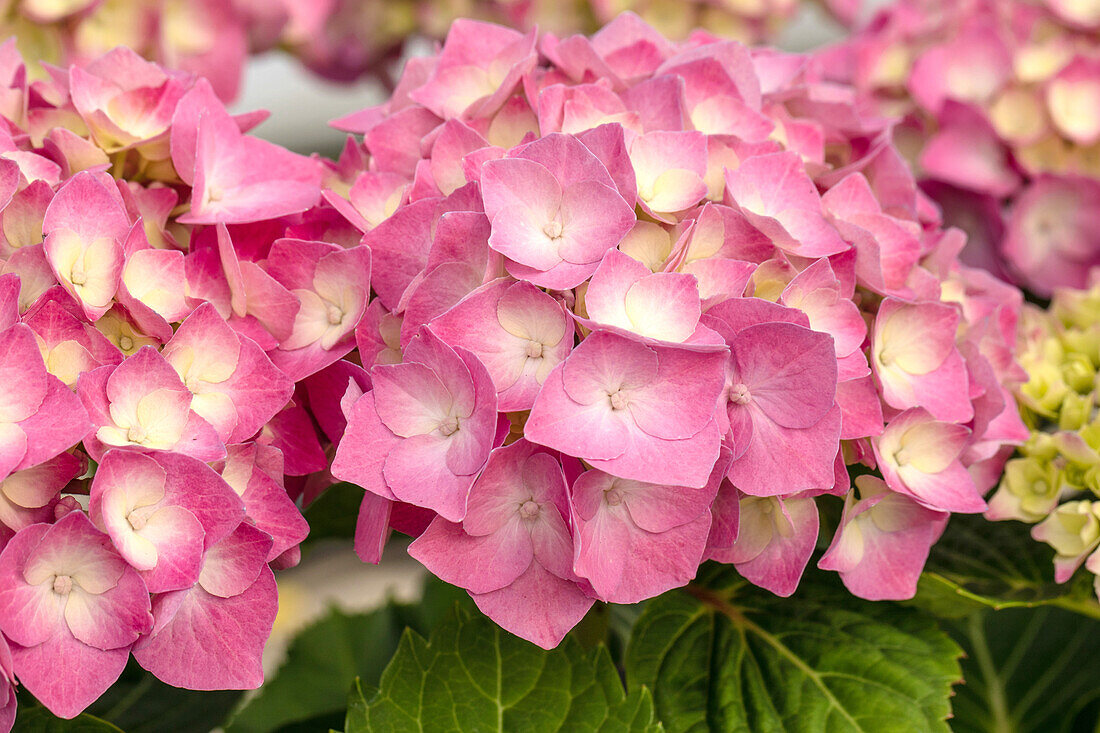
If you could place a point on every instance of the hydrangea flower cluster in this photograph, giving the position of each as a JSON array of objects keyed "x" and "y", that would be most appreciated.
[
  {"x": 163, "y": 303},
  {"x": 339, "y": 39},
  {"x": 1054, "y": 481},
  {"x": 639, "y": 304},
  {"x": 1002, "y": 107}
]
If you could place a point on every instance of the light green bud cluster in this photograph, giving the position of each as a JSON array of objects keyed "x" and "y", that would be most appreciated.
[{"x": 1054, "y": 479}]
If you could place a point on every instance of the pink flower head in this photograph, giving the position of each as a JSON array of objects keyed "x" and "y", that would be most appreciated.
[
  {"x": 28, "y": 497},
  {"x": 554, "y": 211},
  {"x": 635, "y": 410},
  {"x": 916, "y": 362},
  {"x": 255, "y": 472},
  {"x": 919, "y": 457},
  {"x": 159, "y": 511},
  {"x": 71, "y": 608},
  {"x": 39, "y": 416},
  {"x": 518, "y": 332},
  {"x": 85, "y": 226},
  {"x": 424, "y": 431},
  {"x": 635, "y": 540},
  {"x": 1053, "y": 232},
  {"x": 142, "y": 404},
  {"x": 670, "y": 168},
  {"x": 69, "y": 345},
  {"x": 882, "y": 542},
  {"x": 777, "y": 197},
  {"x": 126, "y": 100},
  {"x": 479, "y": 67},
  {"x": 236, "y": 388},
  {"x": 211, "y": 636},
  {"x": 512, "y": 551},
  {"x": 775, "y": 538},
  {"x": 626, "y": 296},
  {"x": 779, "y": 409},
  {"x": 235, "y": 178},
  {"x": 333, "y": 285}
]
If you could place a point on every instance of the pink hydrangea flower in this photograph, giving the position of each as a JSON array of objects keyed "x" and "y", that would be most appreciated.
[
  {"x": 423, "y": 433},
  {"x": 39, "y": 416},
  {"x": 882, "y": 542},
  {"x": 158, "y": 511},
  {"x": 71, "y": 608},
  {"x": 142, "y": 404},
  {"x": 700, "y": 369},
  {"x": 554, "y": 211},
  {"x": 210, "y": 636},
  {"x": 513, "y": 550},
  {"x": 634, "y": 410}
]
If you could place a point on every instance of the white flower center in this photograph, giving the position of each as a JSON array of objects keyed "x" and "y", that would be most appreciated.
[
  {"x": 335, "y": 315},
  {"x": 136, "y": 434},
  {"x": 125, "y": 343},
  {"x": 449, "y": 426},
  {"x": 553, "y": 229},
  {"x": 534, "y": 349},
  {"x": 619, "y": 400},
  {"x": 62, "y": 585}
]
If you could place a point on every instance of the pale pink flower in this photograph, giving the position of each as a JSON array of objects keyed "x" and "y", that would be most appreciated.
[
  {"x": 635, "y": 410},
  {"x": 882, "y": 542}
]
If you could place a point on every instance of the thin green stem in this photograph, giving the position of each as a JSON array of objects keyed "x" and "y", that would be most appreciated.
[{"x": 998, "y": 706}]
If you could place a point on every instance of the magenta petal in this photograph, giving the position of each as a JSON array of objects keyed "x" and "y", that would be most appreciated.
[
  {"x": 478, "y": 564},
  {"x": 779, "y": 565},
  {"x": 372, "y": 527},
  {"x": 557, "y": 421},
  {"x": 232, "y": 565},
  {"x": 361, "y": 455},
  {"x": 790, "y": 372},
  {"x": 537, "y": 606},
  {"x": 416, "y": 472},
  {"x": 203, "y": 642},
  {"x": 782, "y": 460},
  {"x": 178, "y": 537},
  {"x": 65, "y": 675}
]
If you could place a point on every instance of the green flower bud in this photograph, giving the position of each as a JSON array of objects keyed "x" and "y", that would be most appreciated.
[
  {"x": 1041, "y": 446},
  {"x": 1076, "y": 411},
  {"x": 1073, "y": 530},
  {"x": 1084, "y": 343},
  {"x": 1029, "y": 491},
  {"x": 1078, "y": 373},
  {"x": 1080, "y": 308},
  {"x": 1045, "y": 388}
]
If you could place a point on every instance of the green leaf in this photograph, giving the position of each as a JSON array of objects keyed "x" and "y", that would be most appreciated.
[
  {"x": 473, "y": 676},
  {"x": 140, "y": 703},
  {"x": 41, "y": 720},
  {"x": 311, "y": 685},
  {"x": 731, "y": 657},
  {"x": 1028, "y": 670},
  {"x": 978, "y": 564}
]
